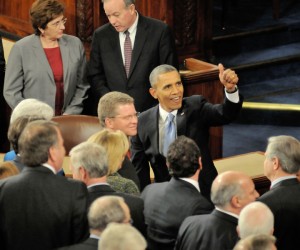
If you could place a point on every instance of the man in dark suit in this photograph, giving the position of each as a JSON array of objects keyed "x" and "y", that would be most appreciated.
[
  {"x": 116, "y": 111},
  {"x": 167, "y": 204},
  {"x": 231, "y": 191},
  {"x": 39, "y": 209},
  {"x": 193, "y": 118},
  {"x": 281, "y": 165},
  {"x": 103, "y": 211},
  {"x": 152, "y": 44},
  {"x": 89, "y": 164}
]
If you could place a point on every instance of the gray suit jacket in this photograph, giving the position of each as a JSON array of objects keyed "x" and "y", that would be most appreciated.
[{"x": 29, "y": 74}]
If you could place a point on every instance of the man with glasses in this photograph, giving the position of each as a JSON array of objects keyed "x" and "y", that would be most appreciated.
[
  {"x": 48, "y": 65},
  {"x": 125, "y": 50},
  {"x": 116, "y": 111}
]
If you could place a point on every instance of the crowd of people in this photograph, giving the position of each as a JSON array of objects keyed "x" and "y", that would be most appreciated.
[{"x": 146, "y": 122}]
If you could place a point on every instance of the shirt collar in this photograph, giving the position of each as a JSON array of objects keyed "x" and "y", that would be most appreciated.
[
  {"x": 282, "y": 179},
  {"x": 164, "y": 114},
  {"x": 133, "y": 27},
  {"x": 49, "y": 167},
  {"x": 193, "y": 182},
  {"x": 98, "y": 184},
  {"x": 226, "y": 212}
]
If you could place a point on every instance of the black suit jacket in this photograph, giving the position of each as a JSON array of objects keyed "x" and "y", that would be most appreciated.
[
  {"x": 42, "y": 210},
  {"x": 284, "y": 201},
  {"x": 202, "y": 232},
  {"x": 128, "y": 171},
  {"x": 154, "y": 45},
  {"x": 88, "y": 244},
  {"x": 193, "y": 120},
  {"x": 135, "y": 204},
  {"x": 166, "y": 206}
]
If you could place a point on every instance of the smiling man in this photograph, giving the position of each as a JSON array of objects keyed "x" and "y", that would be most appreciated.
[
  {"x": 126, "y": 50},
  {"x": 193, "y": 116}
]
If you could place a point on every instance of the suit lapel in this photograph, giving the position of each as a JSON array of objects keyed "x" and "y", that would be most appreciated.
[
  {"x": 140, "y": 39},
  {"x": 153, "y": 129},
  {"x": 41, "y": 56},
  {"x": 64, "y": 50},
  {"x": 181, "y": 119},
  {"x": 116, "y": 52}
]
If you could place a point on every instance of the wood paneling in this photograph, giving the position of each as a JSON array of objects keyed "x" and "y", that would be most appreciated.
[
  {"x": 190, "y": 21},
  {"x": 202, "y": 78}
]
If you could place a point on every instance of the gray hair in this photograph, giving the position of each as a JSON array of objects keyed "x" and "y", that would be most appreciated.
[
  {"x": 223, "y": 193},
  {"x": 122, "y": 236},
  {"x": 32, "y": 107},
  {"x": 255, "y": 218},
  {"x": 287, "y": 150},
  {"x": 256, "y": 242},
  {"x": 156, "y": 72},
  {"x": 108, "y": 103},
  {"x": 105, "y": 210},
  {"x": 36, "y": 140},
  {"x": 127, "y": 2},
  {"x": 92, "y": 157}
]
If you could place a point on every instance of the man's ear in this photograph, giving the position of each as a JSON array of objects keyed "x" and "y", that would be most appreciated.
[
  {"x": 153, "y": 92},
  {"x": 109, "y": 123},
  {"x": 200, "y": 163},
  {"x": 276, "y": 164}
]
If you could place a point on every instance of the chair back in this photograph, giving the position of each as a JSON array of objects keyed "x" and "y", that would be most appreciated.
[{"x": 76, "y": 128}]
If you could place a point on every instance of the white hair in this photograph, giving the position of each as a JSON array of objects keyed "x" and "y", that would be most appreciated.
[{"x": 32, "y": 107}]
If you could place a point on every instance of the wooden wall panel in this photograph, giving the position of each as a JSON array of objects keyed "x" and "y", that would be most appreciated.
[{"x": 190, "y": 21}]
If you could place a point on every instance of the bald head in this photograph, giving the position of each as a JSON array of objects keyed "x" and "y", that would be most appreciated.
[
  {"x": 233, "y": 190},
  {"x": 255, "y": 218},
  {"x": 105, "y": 210}
]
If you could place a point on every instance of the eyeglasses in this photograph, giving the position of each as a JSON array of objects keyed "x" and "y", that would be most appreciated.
[
  {"x": 58, "y": 23},
  {"x": 127, "y": 117}
]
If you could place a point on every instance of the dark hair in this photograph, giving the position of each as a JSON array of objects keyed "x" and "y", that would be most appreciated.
[
  {"x": 183, "y": 157},
  {"x": 44, "y": 11},
  {"x": 36, "y": 140}
]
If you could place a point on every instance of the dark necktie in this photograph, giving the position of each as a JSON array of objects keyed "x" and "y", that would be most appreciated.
[
  {"x": 170, "y": 133},
  {"x": 127, "y": 52}
]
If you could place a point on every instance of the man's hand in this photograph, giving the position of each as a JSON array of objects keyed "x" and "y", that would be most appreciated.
[{"x": 228, "y": 78}]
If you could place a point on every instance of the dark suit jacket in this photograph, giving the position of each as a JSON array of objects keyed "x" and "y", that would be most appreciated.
[
  {"x": 202, "y": 232},
  {"x": 135, "y": 204},
  {"x": 42, "y": 210},
  {"x": 193, "y": 120},
  {"x": 154, "y": 45},
  {"x": 284, "y": 201},
  {"x": 128, "y": 171},
  {"x": 88, "y": 244},
  {"x": 166, "y": 206}
]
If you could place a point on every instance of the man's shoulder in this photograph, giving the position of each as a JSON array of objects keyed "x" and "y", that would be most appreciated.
[
  {"x": 104, "y": 29},
  {"x": 152, "y": 21}
]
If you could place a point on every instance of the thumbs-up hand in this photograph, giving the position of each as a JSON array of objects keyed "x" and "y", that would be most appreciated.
[{"x": 228, "y": 78}]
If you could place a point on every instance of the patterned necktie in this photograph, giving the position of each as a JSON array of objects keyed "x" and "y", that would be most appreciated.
[
  {"x": 127, "y": 52},
  {"x": 170, "y": 133}
]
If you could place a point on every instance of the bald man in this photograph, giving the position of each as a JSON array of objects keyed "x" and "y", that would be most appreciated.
[
  {"x": 231, "y": 191},
  {"x": 255, "y": 218}
]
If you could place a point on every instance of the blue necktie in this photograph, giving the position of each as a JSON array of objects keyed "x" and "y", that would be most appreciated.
[{"x": 170, "y": 133}]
